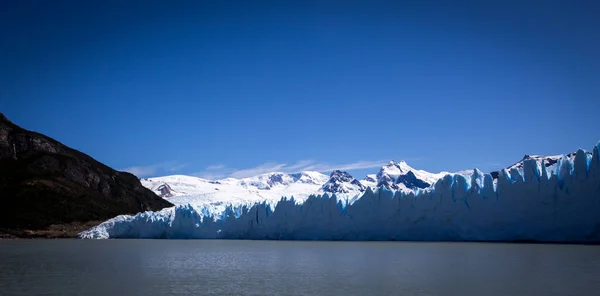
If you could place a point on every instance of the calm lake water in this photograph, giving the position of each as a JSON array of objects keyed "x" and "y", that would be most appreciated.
[{"x": 213, "y": 267}]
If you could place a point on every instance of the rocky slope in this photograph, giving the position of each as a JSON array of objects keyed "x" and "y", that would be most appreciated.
[{"x": 45, "y": 184}]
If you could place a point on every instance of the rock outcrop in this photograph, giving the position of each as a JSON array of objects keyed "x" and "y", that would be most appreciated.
[{"x": 44, "y": 183}]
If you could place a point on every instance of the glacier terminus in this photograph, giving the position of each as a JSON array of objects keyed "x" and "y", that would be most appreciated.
[{"x": 541, "y": 199}]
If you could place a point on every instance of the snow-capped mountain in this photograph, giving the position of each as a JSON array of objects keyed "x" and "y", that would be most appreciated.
[
  {"x": 401, "y": 176},
  {"x": 271, "y": 187},
  {"x": 370, "y": 180},
  {"x": 342, "y": 182}
]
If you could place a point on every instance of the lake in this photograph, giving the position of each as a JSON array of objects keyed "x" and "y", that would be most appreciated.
[{"x": 217, "y": 267}]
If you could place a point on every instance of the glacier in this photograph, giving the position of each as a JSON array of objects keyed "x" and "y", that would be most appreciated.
[{"x": 533, "y": 203}]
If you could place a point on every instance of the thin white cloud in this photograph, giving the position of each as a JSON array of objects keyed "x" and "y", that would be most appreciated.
[
  {"x": 209, "y": 176},
  {"x": 321, "y": 167},
  {"x": 221, "y": 171},
  {"x": 141, "y": 171},
  {"x": 214, "y": 172},
  {"x": 151, "y": 170},
  {"x": 261, "y": 169},
  {"x": 215, "y": 167},
  {"x": 300, "y": 165},
  {"x": 177, "y": 167}
]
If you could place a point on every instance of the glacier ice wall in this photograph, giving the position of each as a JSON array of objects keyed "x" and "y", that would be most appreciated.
[{"x": 529, "y": 205}]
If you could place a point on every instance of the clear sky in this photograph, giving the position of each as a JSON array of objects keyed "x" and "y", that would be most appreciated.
[{"x": 221, "y": 90}]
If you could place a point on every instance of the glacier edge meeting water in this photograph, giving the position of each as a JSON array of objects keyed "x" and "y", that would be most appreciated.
[{"x": 528, "y": 204}]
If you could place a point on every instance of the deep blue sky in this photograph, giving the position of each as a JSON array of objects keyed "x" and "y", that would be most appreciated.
[{"x": 214, "y": 89}]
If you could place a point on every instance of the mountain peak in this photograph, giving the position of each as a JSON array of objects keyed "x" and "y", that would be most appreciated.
[
  {"x": 342, "y": 182},
  {"x": 277, "y": 179},
  {"x": 309, "y": 177},
  {"x": 395, "y": 173},
  {"x": 402, "y": 165},
  {"x": 339, "y": 173},
  {"x": 370, "y": 178}
]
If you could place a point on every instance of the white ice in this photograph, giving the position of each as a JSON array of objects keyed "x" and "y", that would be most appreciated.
[{"x": 533, "y": 203}]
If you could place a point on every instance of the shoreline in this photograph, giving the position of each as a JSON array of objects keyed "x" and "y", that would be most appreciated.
[
  {"x": 56, "y": 231},
  {"x": 71, "y": 231}
]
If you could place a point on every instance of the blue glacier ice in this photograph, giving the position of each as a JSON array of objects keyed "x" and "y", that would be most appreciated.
[{"x": 528, "y": 204}]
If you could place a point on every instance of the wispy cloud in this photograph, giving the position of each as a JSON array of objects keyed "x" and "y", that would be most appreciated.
[
  {"x": 210, "y": 176},
  {"x": 215, "y": 167},
  {"x": 365, "y": 164},
  {"x": 219, "y": 171},
  {"x": 141, "y": 171},
  {"x": 150, "y": 170},
  {"x": 261, "y": 169},
  {"x": 177, "y": 167},
  {"x": 214, "y": 172}
]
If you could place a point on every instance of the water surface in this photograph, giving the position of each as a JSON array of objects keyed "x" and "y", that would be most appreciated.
[{"x": 215, "y": 267}]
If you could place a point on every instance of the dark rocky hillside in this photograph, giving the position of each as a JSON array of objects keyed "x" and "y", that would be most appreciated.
[{"x": 49, "y": 189}]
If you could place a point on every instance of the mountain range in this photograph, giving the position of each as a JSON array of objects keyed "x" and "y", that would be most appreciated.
[{"x": 271, "y": 187}]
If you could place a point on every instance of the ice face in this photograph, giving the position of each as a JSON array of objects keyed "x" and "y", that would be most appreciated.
[{"x": 528, "y": 204}]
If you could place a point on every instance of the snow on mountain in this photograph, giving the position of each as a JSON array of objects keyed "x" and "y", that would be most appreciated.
[
  {"x": 560, "y": 204},
  {"x": 342, "y": 182},
  {"x": 370, "y": 180},
  {"x": 271, "y": 187},
  {"x": 399, "y": 175}
]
